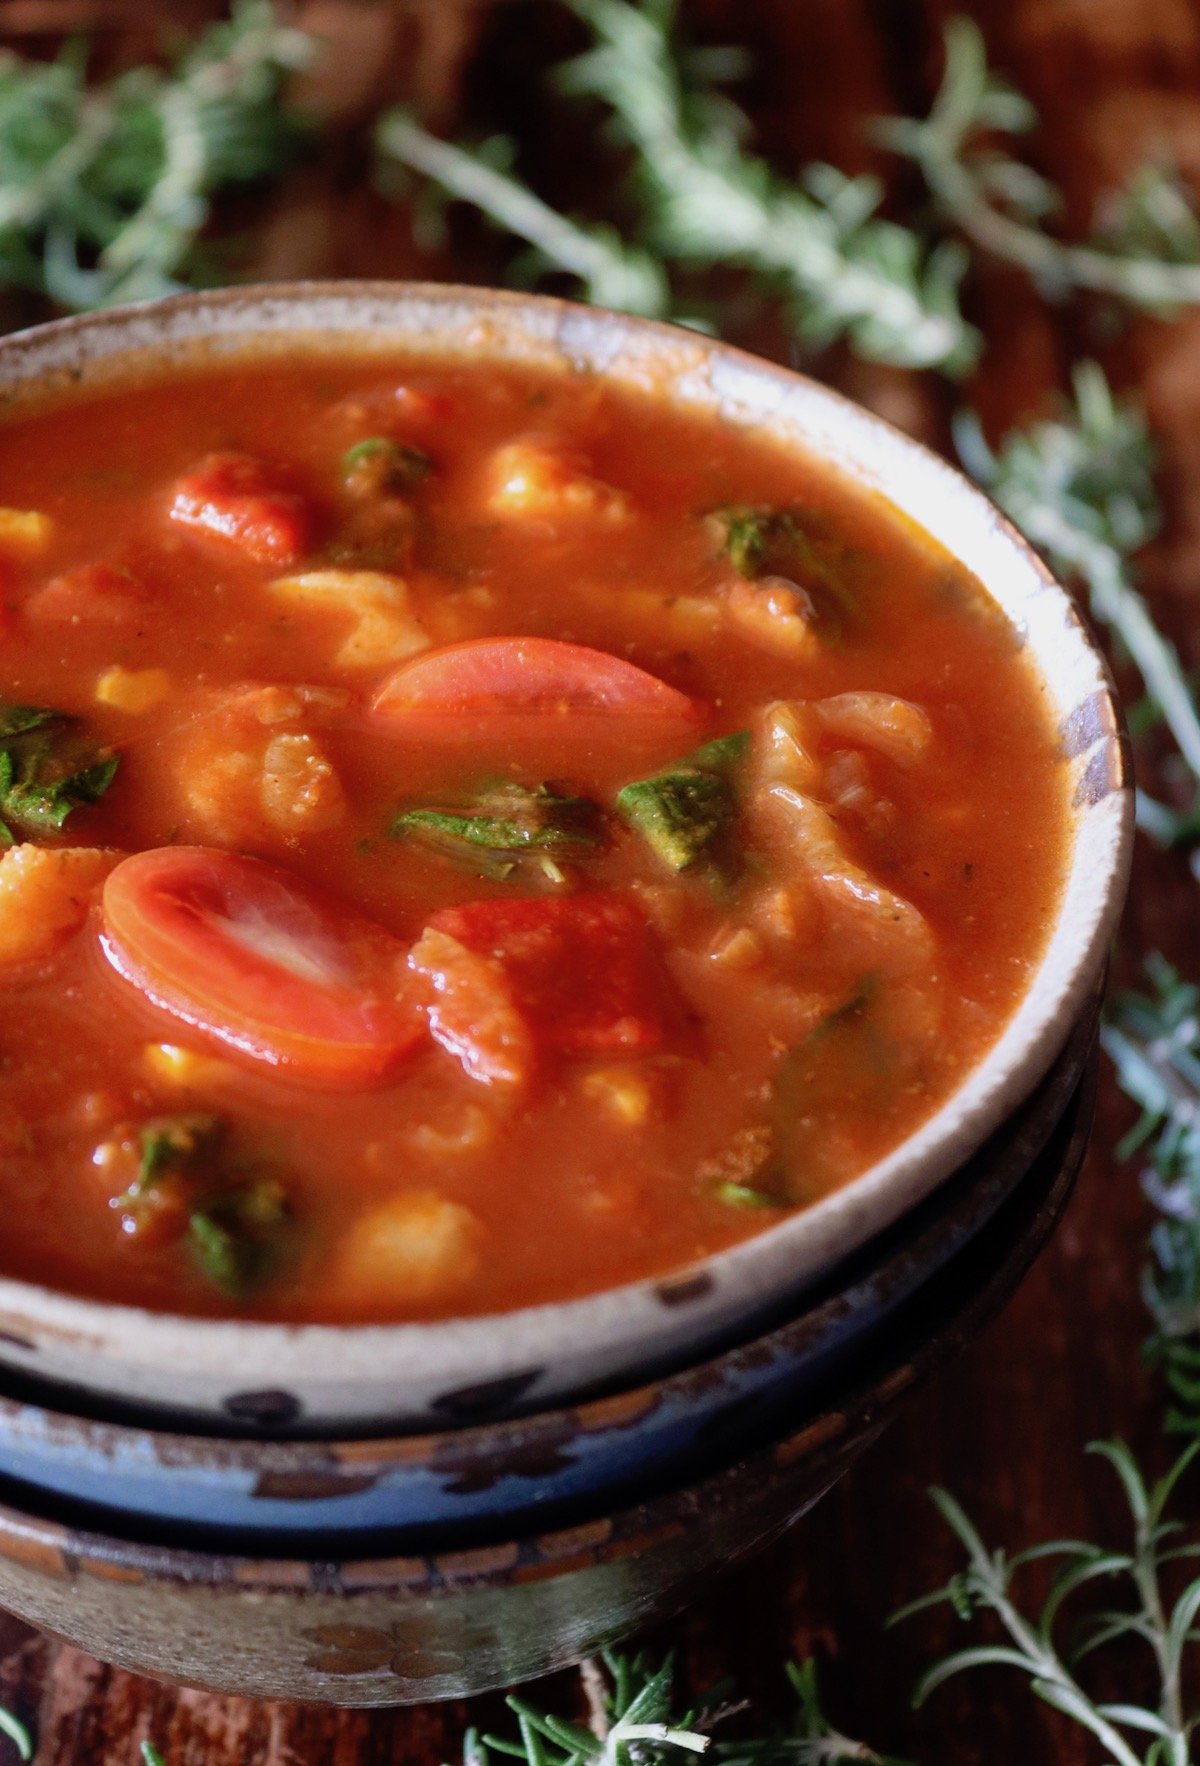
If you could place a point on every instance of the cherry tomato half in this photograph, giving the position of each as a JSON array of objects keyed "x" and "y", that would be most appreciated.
[
  {"x": 516, "y": 683},
  {"x": 262, "y": 962}
]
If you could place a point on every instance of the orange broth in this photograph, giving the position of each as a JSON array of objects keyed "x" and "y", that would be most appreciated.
[{"x": 748, "y": 1033}]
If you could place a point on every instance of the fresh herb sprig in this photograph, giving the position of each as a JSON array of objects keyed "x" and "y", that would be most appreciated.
[
  {"x": 701, "y": 200},
  {"x": 634, "y": 1722},
  {"x": 1166, "y": 1625},
  {"x": 17, "y": 1732},
  {"x": 105, "y": 190},
  {"x": 1145, "y": 249},
  {"x": 1081, "y": 487},
  {"x": 1153, "y": 1041}
]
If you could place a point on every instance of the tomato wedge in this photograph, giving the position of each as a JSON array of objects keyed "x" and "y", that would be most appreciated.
[
  {"x": 522, "y": 683},
  {"x": 263, "y": 963}
]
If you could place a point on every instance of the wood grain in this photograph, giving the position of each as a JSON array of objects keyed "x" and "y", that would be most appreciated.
[{"x": 1004, "y": 1428}]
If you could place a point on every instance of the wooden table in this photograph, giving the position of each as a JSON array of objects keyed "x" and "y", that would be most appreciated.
[{"x": 1004, "y": 1428}]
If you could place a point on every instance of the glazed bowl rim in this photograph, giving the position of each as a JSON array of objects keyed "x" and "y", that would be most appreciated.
[{"x": 628, "y": 1317}]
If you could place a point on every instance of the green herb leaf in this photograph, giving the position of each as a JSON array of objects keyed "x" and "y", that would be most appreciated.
[
  {"x": 181, "y": 1144},
  {"x": 237, "y": 1235},
  {"x": 765, "y": 542},
  {"x": 17, "y": 1733},
  {"x": 506, "y": 823},
  {"x": 380, "y": 466},
  {"x": 686, "y": 812},
  {"x": 16, "y": 720},
  {"x": 744, "y": 1195},
  {"x": 44, "y": 775}
]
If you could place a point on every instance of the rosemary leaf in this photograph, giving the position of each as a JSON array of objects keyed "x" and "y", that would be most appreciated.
[
  {"x": 1146, "y": 249},
  {"x": 105, "y": 191}
]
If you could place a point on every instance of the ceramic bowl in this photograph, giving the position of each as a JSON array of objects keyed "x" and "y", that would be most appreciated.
[
  {"x": 413, "y": 1374},
  {"x": 409, "y": 1626},
  {"x": 460, "y": 1485}
]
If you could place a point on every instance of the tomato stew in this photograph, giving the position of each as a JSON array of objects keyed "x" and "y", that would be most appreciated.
[{"x": 475, "y": 836}]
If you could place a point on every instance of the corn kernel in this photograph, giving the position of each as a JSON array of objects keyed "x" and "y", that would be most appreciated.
[
  {"x": 133, "y": 689},
  {"x": 24, "y": 530},
  {"x": 625, "y": 1092},
  {"x": 183, "y": 1067}
]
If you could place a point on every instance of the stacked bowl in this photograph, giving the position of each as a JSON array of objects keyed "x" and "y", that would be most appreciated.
[{"x": 384, "y": 1514}]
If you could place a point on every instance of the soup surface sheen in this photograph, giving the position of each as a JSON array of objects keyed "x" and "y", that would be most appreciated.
[{"x": 551, "y": 836}]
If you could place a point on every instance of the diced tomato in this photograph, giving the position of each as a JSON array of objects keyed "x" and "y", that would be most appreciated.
[
  {"x": 516, "y": 683},
  {"x": 585, "y": 970},
  {"x": 92, "y": 594},
  {"x": 261, "y": 962},
  {"x": 473, "y": 1012},
  {"x": 248, "y": 505}
]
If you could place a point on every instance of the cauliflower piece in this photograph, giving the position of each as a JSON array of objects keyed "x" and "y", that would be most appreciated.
[
  {"x": 301, "y": 792},
  {"x": 407, "y": 1251},
  {"x": 533, "y": 478},
  {"x": 384, "y": 630},
  {"x": 133, "y": 689},
  {"x": 249, "y": 769},
  {"x": 45, "y": 895}
]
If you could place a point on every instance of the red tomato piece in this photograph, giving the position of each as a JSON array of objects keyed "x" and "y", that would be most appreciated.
[
  {"x": 92, "y": 594},
  {"x": 584, "y": 969},
  {"x": 261, "y": 962},
  {"x": 473, "y": 1012},
  {"x": 526, "y": 681},
  {"x": 248, "y": 505}
]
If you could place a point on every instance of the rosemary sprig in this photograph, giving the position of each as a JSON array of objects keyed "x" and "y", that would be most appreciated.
[
  {"x": 1153, "y": 1040},
  {"x": 610, "y": 273},
  {"x": 1080, "y": 486},
  {"x": 104, "y": 191},
  {"x": 17, "y": 1733},
  {"x": 1146, "y": 248},
  {"x": 702, "y": 200},
  {"x": 1032, "y": 1646},
  {"x": 633, "y": 1722}
]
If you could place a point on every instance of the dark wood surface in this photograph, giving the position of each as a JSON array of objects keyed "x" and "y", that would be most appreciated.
[{"x": 1006, "y": 1426}]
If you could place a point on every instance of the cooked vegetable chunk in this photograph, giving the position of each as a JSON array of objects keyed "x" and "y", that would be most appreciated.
[
  {"x": 246, "y": 504},
  {"x": 383, "y": 628},
  {"x": 473, "y": 1010},
  {"x": 46, "y": 894},
  {"x": 685, "y": 813},
  {"x": 532, "y": 479},
  {"x": 411, "y": 1250},
  {"x": 585, "y": 971}
]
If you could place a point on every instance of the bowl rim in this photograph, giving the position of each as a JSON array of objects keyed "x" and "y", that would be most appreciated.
[{"x": 695, "y": 1298}]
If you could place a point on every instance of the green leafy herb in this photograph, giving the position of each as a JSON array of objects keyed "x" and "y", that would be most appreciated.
[
  {"x": 761, "y": 542},
  {"x": 633, "y": 1721},
  {"x": 44, "y": 773},
  {"x": 151, "y": 1755},
  {"x": 686, "y": 812},
  {"x": 1146, "y": 248},
  {"x": 380, "y": 466},
  {"x": 236, "y": 1235},
  {"x": 505, "y": 824},
  {"x": 106, "y": 190},
  {"x": 1081, "y": 487},
  {"x": 744, "y": 1195},
  {"x": 1153, "y": 1040},
  {"x": 701, "y": 200},
  {"x": 182, "y": 1144},
  {"x": 986, "y": 1584}
]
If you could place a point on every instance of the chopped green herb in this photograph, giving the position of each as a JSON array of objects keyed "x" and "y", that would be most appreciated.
[
  {"x": 44, "y": 776},
  {"x": 151, "y": 1755},
  {"x": 15, "y": 720},
  {"x": 236, "y": 1235},
  {"x": 744, "y": 1195},
  {"x": 379, "y": 465},
  {"x": 764, "y": 542},
  {"x": 685, "y": 813},
  {"x": 505, "y": 824},
  {"x": 176, "y": 1143}
]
